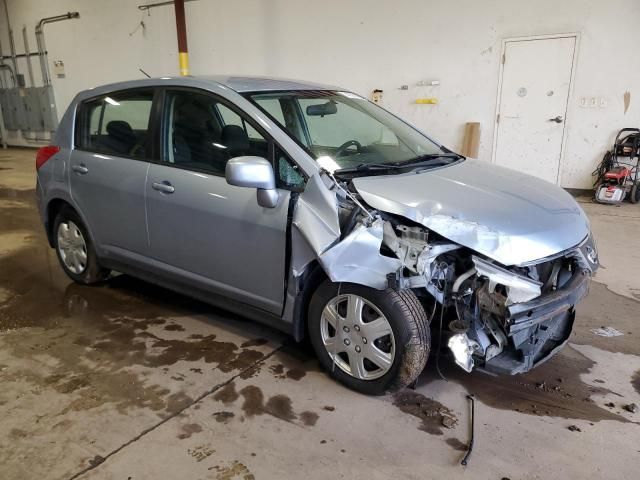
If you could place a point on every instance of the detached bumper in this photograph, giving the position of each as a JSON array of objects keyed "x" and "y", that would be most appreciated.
[{"x": 540, "y": 328}]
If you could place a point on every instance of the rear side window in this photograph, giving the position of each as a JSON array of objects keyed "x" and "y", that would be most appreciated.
[{"x": 116, "y": 124}]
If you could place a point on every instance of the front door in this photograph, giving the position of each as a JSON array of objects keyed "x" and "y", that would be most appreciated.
[
  {"x": 532, "y": 110},
  {"x": 108, "y": 170},
  {"x": 203, "y": 230}
]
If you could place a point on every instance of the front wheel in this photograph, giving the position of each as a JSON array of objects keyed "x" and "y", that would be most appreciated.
[{"x": 369, "y": 340}]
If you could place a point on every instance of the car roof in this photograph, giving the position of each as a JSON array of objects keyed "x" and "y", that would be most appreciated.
[
  {"x": 250, "y": 83},
  {"x": 236, "y": 83}
]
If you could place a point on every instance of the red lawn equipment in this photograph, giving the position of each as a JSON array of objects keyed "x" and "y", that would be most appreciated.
[{"x": 617, "y": 174}]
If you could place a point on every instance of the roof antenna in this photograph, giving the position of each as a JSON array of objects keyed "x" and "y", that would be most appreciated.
[{"x": 145, "y": 73}]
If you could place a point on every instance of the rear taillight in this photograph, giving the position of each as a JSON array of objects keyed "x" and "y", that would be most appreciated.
[{"x": 44, "y": 154}]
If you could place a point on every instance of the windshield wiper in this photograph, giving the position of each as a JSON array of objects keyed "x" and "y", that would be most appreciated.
[
  {"x": 423, "y": 159},
  {"x": 367, "y": 167},
  {"x": 430, "y": 157}
]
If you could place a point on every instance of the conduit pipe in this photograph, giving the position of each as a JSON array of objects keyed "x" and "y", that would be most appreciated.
[
  {"x": 27, "y": 53},
  {"x": 42, "y": 49},
  {"x": 181, "y": 29},
  {"x": 12, "y": 45}
]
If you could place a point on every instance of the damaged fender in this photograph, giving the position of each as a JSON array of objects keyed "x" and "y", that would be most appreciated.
[{"x": 357, "y": 258}]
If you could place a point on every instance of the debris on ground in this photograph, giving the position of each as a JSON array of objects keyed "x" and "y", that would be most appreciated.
[
  {"x": 632, "y": 407},
  {"x": 448, "y": 422},
  {"x": 607, "y": 332},
  {"x": 573, "y": 428},
  {"x": 610, "y": 404},
  {"x": 433, "y": 415}
]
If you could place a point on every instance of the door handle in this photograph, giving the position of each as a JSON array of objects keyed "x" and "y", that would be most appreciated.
[
  {"x": 164, "y": 187},
  {"x": 558, "y": 119},
  {"x": 81, "y": 169}
]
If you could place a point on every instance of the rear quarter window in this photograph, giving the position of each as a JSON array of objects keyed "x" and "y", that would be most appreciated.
[{"x": 116, "y": 124}]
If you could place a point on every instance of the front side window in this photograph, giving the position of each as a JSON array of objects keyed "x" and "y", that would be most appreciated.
[
  {"x": 202, "y": 133},
  {"x": 344, "y": 131},
  {"x": 116, "y": 124}
]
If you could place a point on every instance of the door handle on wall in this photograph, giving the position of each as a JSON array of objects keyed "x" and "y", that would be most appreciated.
[
  {"x": 558, "y": 119},
  {"x": 81, "y": 169},
  {"x": 164, "y": 187}
]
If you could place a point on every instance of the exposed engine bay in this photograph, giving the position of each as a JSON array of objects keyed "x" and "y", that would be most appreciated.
[{"x": 505, "y": 319}]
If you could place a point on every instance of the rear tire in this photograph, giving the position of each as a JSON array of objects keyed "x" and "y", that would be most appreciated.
[
  {"x": 399, "y": 340},
  {"x": 635, "y": 193},
  {"x": 75, "y": 250}
]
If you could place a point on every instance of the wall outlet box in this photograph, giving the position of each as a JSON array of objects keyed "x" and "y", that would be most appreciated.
[
  {"x": 58, "y": 68},
  {"x": 593, "y": 102}
]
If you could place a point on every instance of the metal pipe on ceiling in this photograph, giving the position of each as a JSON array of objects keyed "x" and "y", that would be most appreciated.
[
  {"x": 25, "y": 39},
  {"x": 181, "y": 29},
  {"x": 42, "y": 49}
]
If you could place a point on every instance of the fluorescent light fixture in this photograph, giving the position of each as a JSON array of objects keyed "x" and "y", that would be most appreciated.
[
  {"x": 218, "y": 145},
  {"x": 111, "y": 101}
]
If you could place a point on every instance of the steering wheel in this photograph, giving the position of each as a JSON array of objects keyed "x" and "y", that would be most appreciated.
[{"x": 342, "y": 149}]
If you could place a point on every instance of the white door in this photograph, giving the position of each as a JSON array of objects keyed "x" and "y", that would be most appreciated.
[{"x": 536, "y": 77}]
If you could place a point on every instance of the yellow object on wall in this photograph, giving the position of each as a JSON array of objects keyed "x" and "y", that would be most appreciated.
[{"x": 427, "y": 101}]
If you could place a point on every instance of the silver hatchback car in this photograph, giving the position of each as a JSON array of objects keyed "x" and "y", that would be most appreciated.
[{"x": 315, "y": 211}]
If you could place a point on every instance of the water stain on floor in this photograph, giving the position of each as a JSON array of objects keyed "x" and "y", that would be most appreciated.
[
  {"x": 553, "y": 389},
  {"x": 95, "y": 336},
  {"x": 635, "y": 381},
  {"x": 279, "y": 406},
  {"x": 189, "y": 429},
  {"x": 456, "y": 444}
]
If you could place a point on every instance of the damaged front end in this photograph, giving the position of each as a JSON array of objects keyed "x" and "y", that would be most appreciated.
[{"x": 504, "y": 319}]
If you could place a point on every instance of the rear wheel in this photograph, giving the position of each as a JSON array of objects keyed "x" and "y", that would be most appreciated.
[
  {"x": 75, "y": 250},
  {"x": 635, "y": 193},
  {"x": 369, "y": 340}
]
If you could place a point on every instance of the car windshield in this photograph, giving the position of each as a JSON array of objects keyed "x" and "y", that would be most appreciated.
[{"x": 344, "y": 131}]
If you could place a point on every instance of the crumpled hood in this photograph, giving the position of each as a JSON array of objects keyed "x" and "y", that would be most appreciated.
[{"x": 508, "y": 216}]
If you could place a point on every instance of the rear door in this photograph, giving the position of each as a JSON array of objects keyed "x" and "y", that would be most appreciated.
[
  {"x": 108, "y": 169},
  {"x": 204, "y": 231}
]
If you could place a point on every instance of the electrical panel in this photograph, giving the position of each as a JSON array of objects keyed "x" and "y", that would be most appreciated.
[
  {"x": 17, "y": 111},
  {"x": 48, "y": 107},
  {"x": 35, "y": 122},
  {"x": 4, "y": 106}
]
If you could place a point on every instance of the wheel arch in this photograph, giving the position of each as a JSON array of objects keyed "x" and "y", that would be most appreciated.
[
  {"x": 54, "y": 207},
  {"x": 310, "y": 280}
]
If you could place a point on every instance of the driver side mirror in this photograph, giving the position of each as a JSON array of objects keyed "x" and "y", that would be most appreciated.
[{"x": 254, "y": 172}]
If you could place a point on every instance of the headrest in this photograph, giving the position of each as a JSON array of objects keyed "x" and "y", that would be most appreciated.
[
  {"x": 120, "y": 129},
  {"x": 234, "y": 138}
]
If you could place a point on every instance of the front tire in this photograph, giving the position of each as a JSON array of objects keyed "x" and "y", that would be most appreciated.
[
  {"x": 369, "y": 340},
  {"x": 74, "y": 249}
]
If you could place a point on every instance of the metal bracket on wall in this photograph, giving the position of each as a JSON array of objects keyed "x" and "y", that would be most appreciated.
[{"x": 158, "y": 4}]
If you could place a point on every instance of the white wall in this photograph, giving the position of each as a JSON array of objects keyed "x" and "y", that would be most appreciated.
[{"x": 362, "y": 45}]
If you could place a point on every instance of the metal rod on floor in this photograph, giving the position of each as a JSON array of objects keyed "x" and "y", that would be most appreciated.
[{"x": 470, "y": 448}]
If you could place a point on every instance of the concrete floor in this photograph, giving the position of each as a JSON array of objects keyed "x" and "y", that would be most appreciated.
[{"x": 129, "y": 381}]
